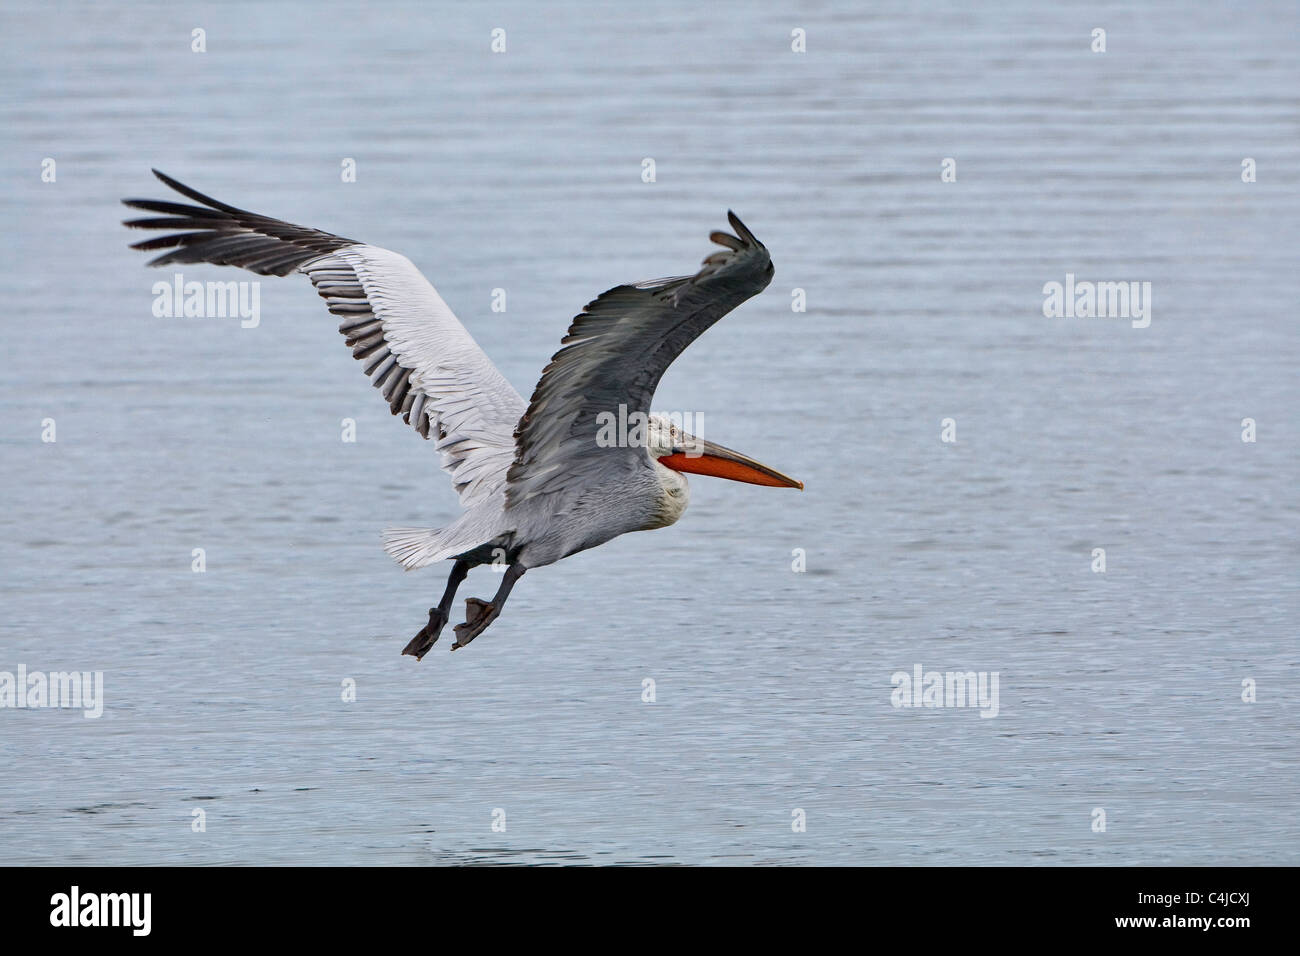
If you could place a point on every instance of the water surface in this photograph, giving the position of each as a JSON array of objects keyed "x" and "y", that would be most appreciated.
[{"x": 522, "y": 171}]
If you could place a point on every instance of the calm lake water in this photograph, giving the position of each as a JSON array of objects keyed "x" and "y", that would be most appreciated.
[{"x": 1119, "y": 692}]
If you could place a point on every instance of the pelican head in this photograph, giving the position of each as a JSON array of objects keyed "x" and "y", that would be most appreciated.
[{"x": 678, "y": 450}]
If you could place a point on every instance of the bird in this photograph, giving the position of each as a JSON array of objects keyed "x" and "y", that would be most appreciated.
[{"x": 537, "y": 480}]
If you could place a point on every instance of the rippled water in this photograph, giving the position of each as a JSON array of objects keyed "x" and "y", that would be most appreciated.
[{"x": 522, "y": 171}]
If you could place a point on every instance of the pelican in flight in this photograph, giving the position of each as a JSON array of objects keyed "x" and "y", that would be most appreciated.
[{"x": 536, "y": 481}]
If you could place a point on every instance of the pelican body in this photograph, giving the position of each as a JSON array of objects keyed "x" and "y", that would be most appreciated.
[{"x": 535, "y": 483}]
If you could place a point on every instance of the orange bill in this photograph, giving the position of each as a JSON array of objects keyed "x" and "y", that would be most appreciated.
[{"x": 706, "y": 458}]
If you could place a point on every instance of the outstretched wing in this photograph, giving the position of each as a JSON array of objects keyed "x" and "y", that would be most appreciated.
[
  {"x": 616, "y": 351},
  {"x": 413, "y": 347}
]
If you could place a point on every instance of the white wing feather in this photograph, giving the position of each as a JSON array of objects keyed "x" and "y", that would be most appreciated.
[
  {"x": 414, "y": 348},
  {"x": 470, "y": 408}
]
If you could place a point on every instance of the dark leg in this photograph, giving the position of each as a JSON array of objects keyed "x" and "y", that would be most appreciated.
[
  {"x": 479, "y": 615},
  {"x": 438, "y": 616}
]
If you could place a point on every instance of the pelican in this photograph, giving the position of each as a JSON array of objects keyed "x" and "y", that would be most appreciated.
[{"x": 536, "y": 482}]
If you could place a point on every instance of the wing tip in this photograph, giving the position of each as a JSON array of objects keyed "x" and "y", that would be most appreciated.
[
  {"x": 742, "y": 230},
  {"x": 191, "y": 193},
  {"x": 168, "y": 181},
  {"x": 742, "y": 241}
]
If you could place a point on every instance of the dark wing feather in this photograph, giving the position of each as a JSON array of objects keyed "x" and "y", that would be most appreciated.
[
  {"x": 229, "y": 236},
  {"x": 614, "y": 354}
]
